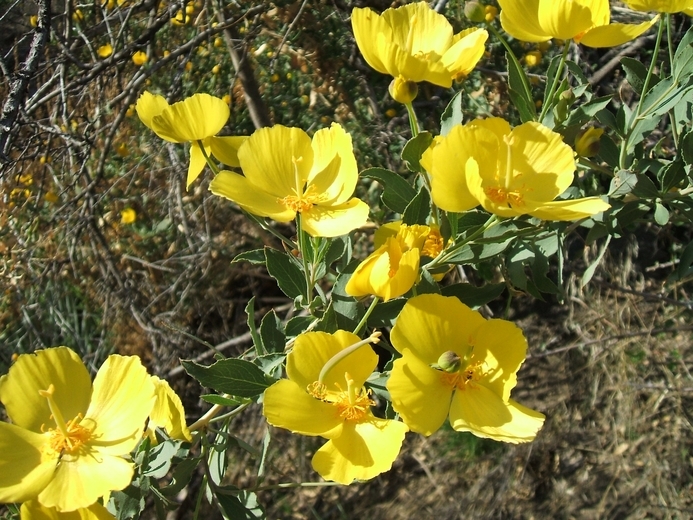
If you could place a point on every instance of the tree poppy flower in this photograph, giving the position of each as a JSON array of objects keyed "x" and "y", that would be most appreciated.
[
  {"x": 393, "y": 268},
  {"x": 195, "y": 119},
  {"x": 456, "y": 364},
  {"x": 285, "y": 173},
  {"x": 585, "y": 21},
  {"x": 336, "y": 407},
  {"x": 67, "y": 439},
  {"x": 414, "y": 43},
  {"x": 510, "y": 172}
]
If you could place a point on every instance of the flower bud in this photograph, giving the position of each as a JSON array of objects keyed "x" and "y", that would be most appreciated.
[
  {"x": 475, "y": 12},
  {"x": 403, "y": 90},
  {"x": 587, "y": 142},
  {"x": 449, "y": 361},
  {"x": 490, "y": 13}
]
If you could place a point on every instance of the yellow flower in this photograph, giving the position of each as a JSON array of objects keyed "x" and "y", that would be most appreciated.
[
  {"x": 33, "y": 510},
  {"x": 33, "y": 20},
  {"x": 456, "y": 364},
  {"x": 336, "y": 407},
  {"x": 168, "y": 412},
  {"x": 585, "y": 21},
  {"x": 181, "y": 18},
  {"x": 122, "y": 150},
  {"x": 662, "y": 6},
  {"x": 533, "y": 58},
  {"x": 105, "y": 51},
  {"x": 196, "y": 119},
  {"x": 510, "y": 172},
  {"x": 128, "y": 216},
  {"x": 77, "y": 16},
  {"x": 285, "y": 174},
  {"x": 65, "y": 444},
  {"x": 587, "y": 142},
  {"x": 139, "y": 58},
  {"x": 414, "y": 43},
  {"x": 490, "y": 13},
  {"x": 393, "y": 268}
]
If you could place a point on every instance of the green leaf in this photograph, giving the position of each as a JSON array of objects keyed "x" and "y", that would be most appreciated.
[
  {"x": 519, "y": 90},
  {"x": 686, "y": 147},
  {"x": 587, "y": 111},
  {"x": 589, "y": 272},
  {"x": 256, "y": 256},
  {"x": 474, "y": 296},
  {"x": 233, "y": 507},
  {"x": 336, "y": 249},
  {"x": 386, "y": 313},
  {"x": 645, "y": 188},
  {"x": 288, "y": 275},
  {"x": 272, "y": 333},
  {"x": 418, "y": 210},
  {"x": 452, "y": 115},
  {"x": 297, "y": 325},
  {"x": 127, "y": 503},
  {"x": 397, "y": 192},
  {"x": 661, "y": 214},
  {"x": 414, "y": 149},
  {"x": 347, "y": 311},
  {"x": 683, "y": 57},
  {"x": 221, "y": 400},
  {"x": 182, "y": 474},
  {"x": 636, "y": 72},
  {"x": 250, "y": 313},
  {"x": 229, "y": 376},
  {"x": 160, "y": 457},
  {"x": 622, "y": 183},
  {"x": 684, "y": 267}
]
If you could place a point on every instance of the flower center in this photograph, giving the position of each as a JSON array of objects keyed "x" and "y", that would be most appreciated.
[
  {"x": 433, "y": 245},
  {"x": 66, "y": 437},
  {"x": 503, "y": 196},
  {"x": 300, "y": 202},
  {"x": 353, "y": 404},
  {"x": 465, "y": 378}
]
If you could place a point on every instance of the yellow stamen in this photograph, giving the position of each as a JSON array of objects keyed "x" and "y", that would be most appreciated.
[
  {"x": 68, "y": 436},
  {"x": 433, "y": 245},
  {"x": 354, "y": 404}
]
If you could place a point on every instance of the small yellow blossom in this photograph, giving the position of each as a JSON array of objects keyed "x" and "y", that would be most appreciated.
[
  {"x": 66, "y": 443},
  {"x": 587, "y": 142},
  {"x": 77, "y": 16},
  {"x": 128, "y": 216},
  {"x": 122, "y": 150},
  {"x": 274, "y": 78},
  {"x": 180, "y": 19},
  {"x": 139, "y": 58},
  {"x": 50, "y": 197},
  {"x": 218, "y": 41},
  {"x": 393, "y": 268},
  {"x": 490, "y": 13},
  {"x": 533, "y": 58},
  {"x": 457, "y": 365},
  {"x": 33, "y": 20},
  {"x": 391, "y": 112},
  {"x": 286, "y": 174},
  {"x": 216, "y": 69},
  {"x": 188, "y": 66},
  {"x": 226, "y": 98},
  {"x": 105, "y": 51},
  {"x": 585, "y": 21},
  {"x": 334, "y": 404}
]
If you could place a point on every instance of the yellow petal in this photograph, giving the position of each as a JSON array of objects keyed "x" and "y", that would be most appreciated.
[
  {"x": 448, "y": 183},
  {"x": 395, "y": 272},
  {"x": 149, "y": 106},
  {"x": 478, "y": 186},
  {"x": 286, "y": 405},
  {"x": 197, "y": 163},
  {"x": 192, "y": 119},
  {"x": 463, "y": 56},
  {"x": 121, "y": 402},
  {"x": 312, "y": 350},
  {"x": 367, "y": 24},
  {"x": 386, "y": 231},
  {"x": 362, "y": 452},
  {"x": 168, "y": 412},
  {"x": 33, "y": 510},
  {"x": 278, "y": 160},
  {"x": 570, "y": 209},
  {"x": 418, "y": 394},
  {"x": 564, "y": 19},
  {"x": 23, "y": 475},
  {"x": 431, "y": 324},
  {"x": 225, "y": 149},
  {"x": 61, "y": 367},
  {"x": 615, "y": 34},
  {"x": 502, "y": 348},
  {"x": 248, "y": 196},
  {"x": 520, "y": 20},
  {"x": 419, "y": 29},
  {"x": 481, "y": 412},
  {"x": 327, "y": 144},
  {"x": 80, "y": 480},
  {"x": 337, "y": 220},
  {"x": 662, "y": 6}
]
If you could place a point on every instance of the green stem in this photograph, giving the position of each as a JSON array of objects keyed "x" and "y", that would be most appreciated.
[
  {"x": 556, "y": 81},
  {"x": 302, "y": 249},
  {"x": 623, "y": 155},
  {"x": 210, "y": 163},
  {"x": 364, "y": 320},
  {"x": 413, "y": 121},
  {"x": 288, "y": 243},
  {"x": 373, "y": 338},
  {"x": 670, "y": 48},
  {"x": 293, "y": 485},
  {"x": 584, "y": 161},
  {"x": 445, "y": 254}
]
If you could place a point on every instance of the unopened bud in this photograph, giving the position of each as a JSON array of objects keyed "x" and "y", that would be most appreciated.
[
  {"x": 449, "y": 361},
  {"x": 403, "y": 90},
  {"x": 475, "y": 12},
  {"x": 490, "y": 13},
  {"x": 587, "y": 143}
]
